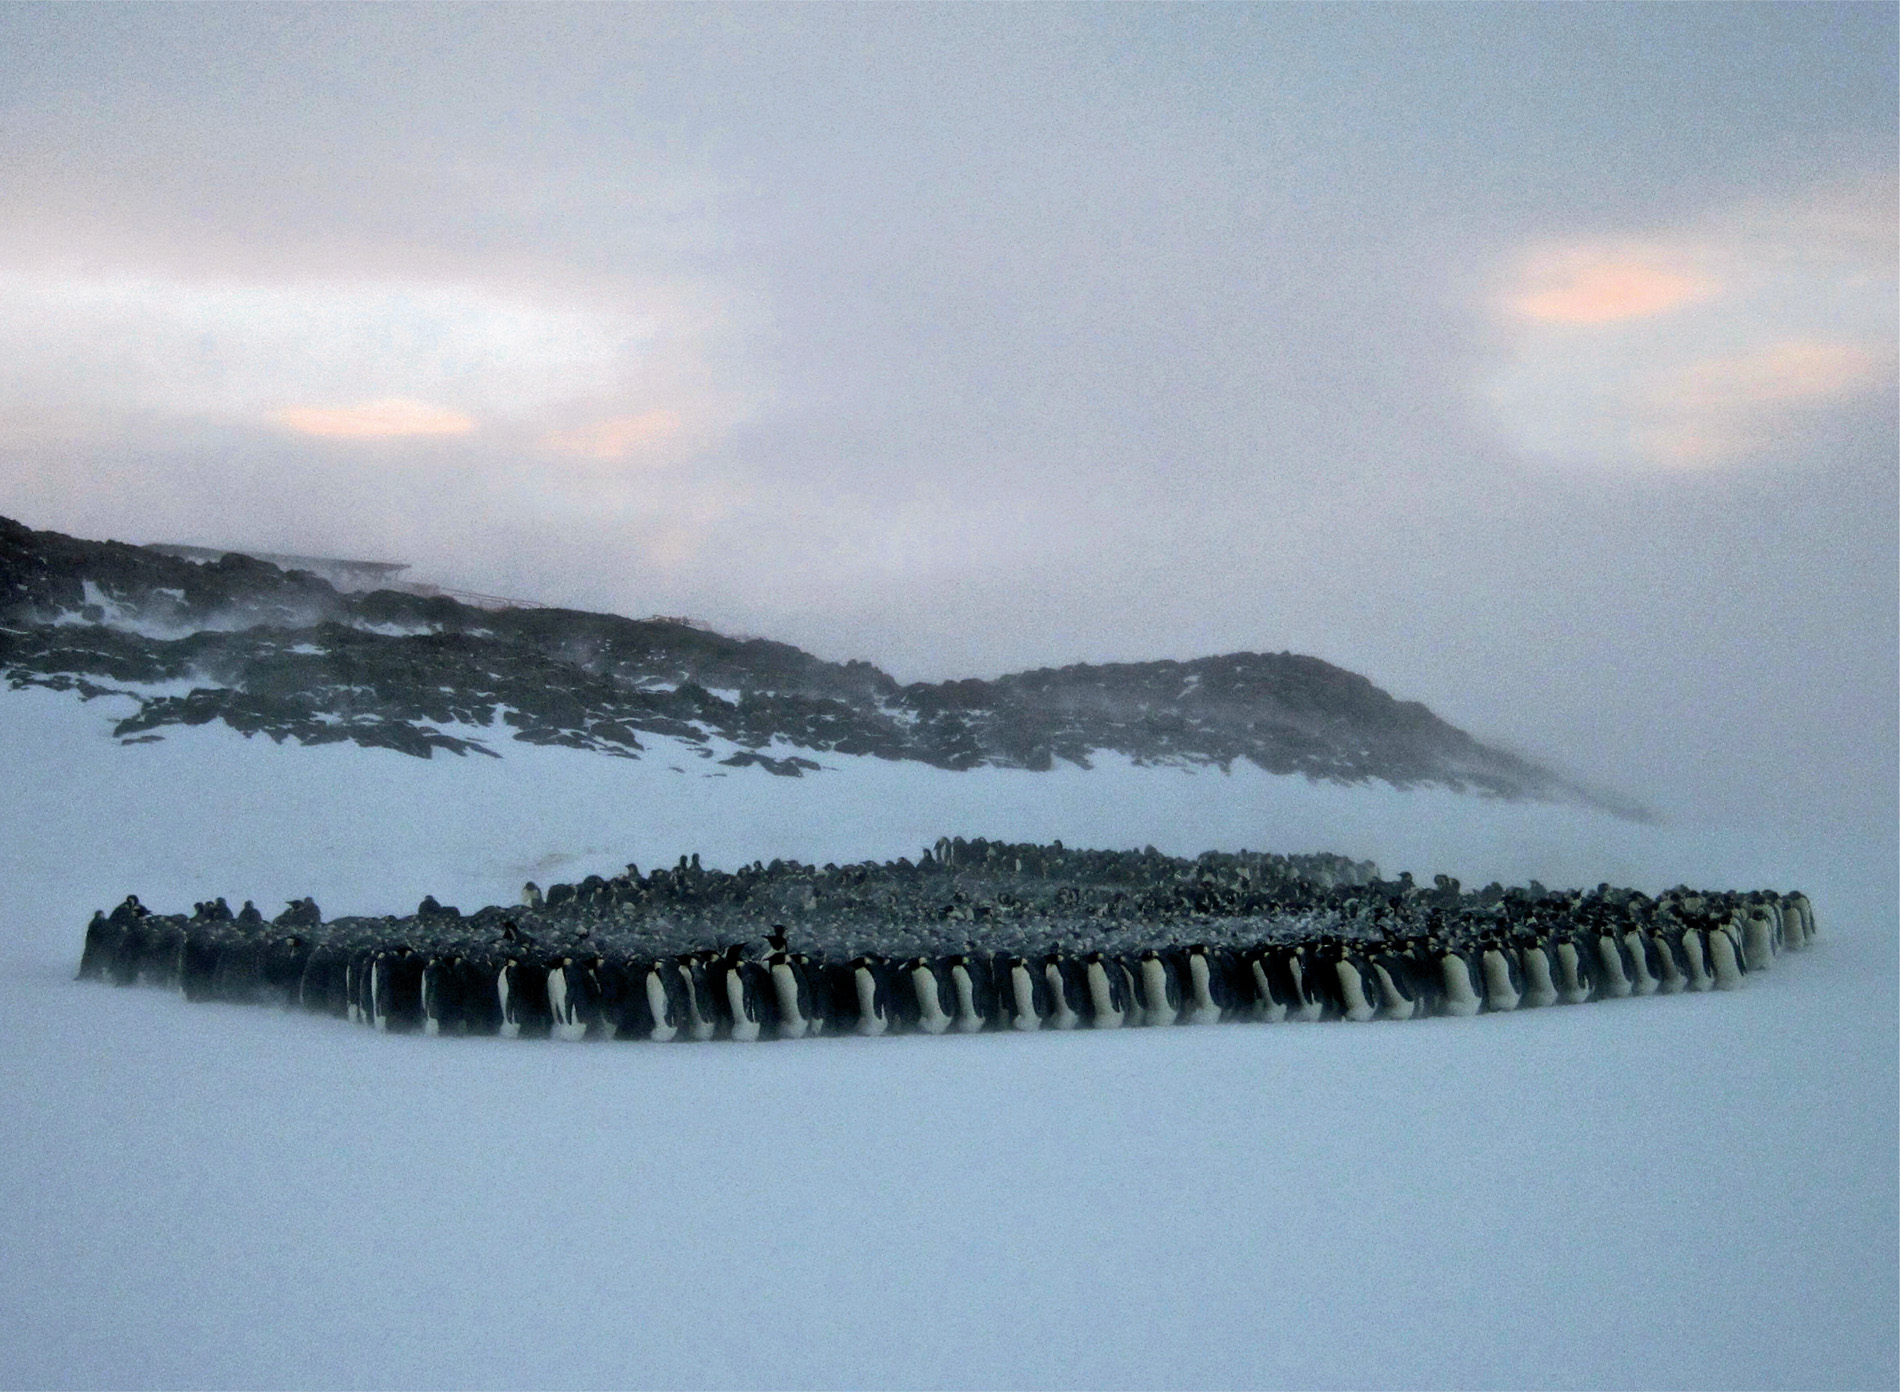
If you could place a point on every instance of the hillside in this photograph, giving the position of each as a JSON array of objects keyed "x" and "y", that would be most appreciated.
[{"x": 283, "y": 653}]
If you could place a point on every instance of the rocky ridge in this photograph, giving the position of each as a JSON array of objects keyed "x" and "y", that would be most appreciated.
[{"x": 283, "y": 653}]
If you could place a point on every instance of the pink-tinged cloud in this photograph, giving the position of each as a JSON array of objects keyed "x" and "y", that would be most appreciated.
[
  {"x": 1587, "y": 286},
  {"x": 374, "y": 420},
  {"x": 1725, "y": 407},
  {"x": 616, "y": 439}
]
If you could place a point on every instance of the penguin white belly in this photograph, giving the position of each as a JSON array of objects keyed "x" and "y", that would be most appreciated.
[
  {"x": 1203, "y": 1011},
  {"x": 1698, "y": 977},
  {"x": 698, "y": 1026},
  {"x": 1460, "y": 999},
  {"x": 871, "y": 1021},
  {"x": 792, "y": 1023},
  {"x": 1154, "y": 986},
  {"x": 1023, "y": 988},
  {"x": 744, "y": 1028},
  {"x": 1352, "y": 988},
  {"x": 1062, "y": 1017},
  {"x": 1670, "y": 980},
  {"x": 968, "y": 1020},
  {"x": 510, "y": 1027},
  {"x": 1642, "y": 981},
  {"x": 566, "y": 1026},
  {"x": 1570, "y": 964},
  {"x": 1101, "y": 1001},
  {"x": 1729, "y": 975},
  {"x": 1500, "y": 992},
  {"x": 657, "y": 1006},
  {"x": 1539, "y": 989},
  {"x": 930, "y": 1016},
  {"x": 1616, "y": 981},
  {"x": 1397, "y": 1005},
  {"x": 1270, "y": 1010},
  {"x": 1758, "y": 941}
]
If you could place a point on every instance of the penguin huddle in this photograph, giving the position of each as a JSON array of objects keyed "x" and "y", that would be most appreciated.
[{"x": 1077, "y": 940}]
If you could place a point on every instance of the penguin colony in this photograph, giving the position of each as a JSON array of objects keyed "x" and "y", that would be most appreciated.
[{"x": 974, "y": 936}]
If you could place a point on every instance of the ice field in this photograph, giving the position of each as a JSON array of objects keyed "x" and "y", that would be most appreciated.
[{"x": 1689, "y": 1191}]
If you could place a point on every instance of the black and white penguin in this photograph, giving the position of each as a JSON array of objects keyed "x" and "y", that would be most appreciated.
[
  {"x": 873, "y": 988},
  {"x": 1394, "y": 974},
  {"x": 1502, "y": 976},
  {"x": 1463, "y": 986},
  {"x": 1208, "y": 985},
  {"x": 1063, "y": 976},
  {"x": 1158, "y": 989},
  {"x": 1026, "y": 993},
  {"x": 1109, "y": 1003},
  {"x": 1797, "y": 919},
  {"x": 1614, "y": 967},
  {"x": 664, "y": 991},
  {"x": 935, "y": 1004},
  {"x": 249, "y": 915},
  {"x": 396, "y": 991},
  {"x": 1358, "y": 988},
  {"x": 521, "y": 987},
  {"x": 1536, "y": 955},
  {"x": 1576, "y": 958},
  {"x": 749, "y": 997},
  {"x": 974, "y": 993},
  {"x": 531, "y": 897},
  {"x": 797, "y": 1008},
  {"x": 1760, "y": 934},
  {"x": 704, "y": 1014},
  {"x": 438, "y": 996},
  {"x": 1666, "y": 961},
  {"x": 1273, "y": 987},
  {"x": 1309, "y": 985},
  {"x": 573, "y": 998},
  {"x": 1726, "y": 961},
  {"x": 1644, "y": 968}
]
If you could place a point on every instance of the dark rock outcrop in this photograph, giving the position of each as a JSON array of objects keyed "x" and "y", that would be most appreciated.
[{"x": 282, "y": 653}]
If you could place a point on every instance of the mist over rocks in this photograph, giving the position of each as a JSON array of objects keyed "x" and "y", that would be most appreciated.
[{"x": 284, "y": 653}]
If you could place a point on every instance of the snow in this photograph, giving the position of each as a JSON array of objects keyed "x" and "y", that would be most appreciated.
[{"x": 1690, "y": 1191}]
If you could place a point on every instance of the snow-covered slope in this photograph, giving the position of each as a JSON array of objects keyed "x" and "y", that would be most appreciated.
[{"x": 1690, "y": 1191}]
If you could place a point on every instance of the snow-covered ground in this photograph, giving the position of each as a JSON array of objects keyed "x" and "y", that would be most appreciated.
[{"x": 1689, "y": 1191}]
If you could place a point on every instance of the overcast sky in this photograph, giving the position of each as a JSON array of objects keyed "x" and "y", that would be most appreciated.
[{"x": 1538, "y": 363}]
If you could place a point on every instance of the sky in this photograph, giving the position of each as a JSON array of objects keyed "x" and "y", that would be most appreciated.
[{"x": 1537, "y": 362}]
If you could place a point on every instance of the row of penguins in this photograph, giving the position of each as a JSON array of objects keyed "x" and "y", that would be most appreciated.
[{"x": 1263, "y": 939}]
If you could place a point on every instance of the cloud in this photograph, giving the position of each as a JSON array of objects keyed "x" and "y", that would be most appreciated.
[
  {"x": 610, "y": 441},
  {"x": 1705, "y": 346},
  {"x": 226, "y": 350},
  {"x": 374, "y": 420},
  {"x": 1601, "y": 285},
  {"x": 1728, "y": 407}
]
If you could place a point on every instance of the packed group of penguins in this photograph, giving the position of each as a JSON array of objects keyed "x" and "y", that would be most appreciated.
[{"x": 973, "y": 936}]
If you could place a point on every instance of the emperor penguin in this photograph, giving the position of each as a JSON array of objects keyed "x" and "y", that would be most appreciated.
[
  {"x": 1535, "y": 955},
  {"x": 869, "y": 982},
  {"x": 1108, "y": 1007},
  {"x": 1503, "y": 978},
  {"x": 1068, "y": 993},
  {"x": 1463, "y": 995},
  {"x": 935, "y": 1005},
  {"x": 1160, "y": 990}
]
